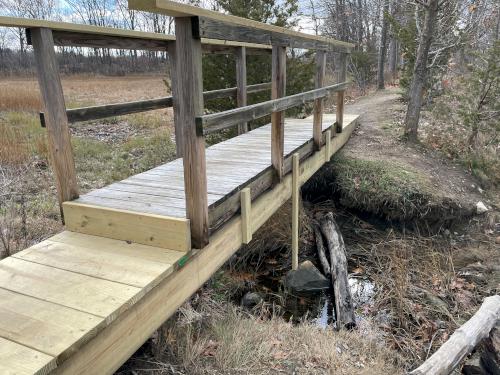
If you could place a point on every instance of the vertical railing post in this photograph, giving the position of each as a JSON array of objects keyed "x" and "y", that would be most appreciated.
[
  {"x": 175, "y": 98},
  {"x": 342, "y": 74},
  {"x": 190, "y": 103},
  {"x": 278, "y": 118},
  {"x": 56, "y": 120},
  {"x": 318, "y": 103},
  {"x": 241, "y": 83}
]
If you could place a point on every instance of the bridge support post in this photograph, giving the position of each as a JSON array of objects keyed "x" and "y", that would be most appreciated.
[
  {"x": 295, "y": 209},
  {"x": 328, "y": 145},
  {"x": 190, "y": 103},
  {"x": 56, "y": 120},
  {"x": 318, "y": 103},
  {"x": 278, "y": 79},
  {"x": 246, "y": 216},
  {"x": 340, "y": 95},
  {"x": 241, "y": 83}
]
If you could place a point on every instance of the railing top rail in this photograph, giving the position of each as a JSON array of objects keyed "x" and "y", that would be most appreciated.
[
  {"x": 68, "y": 27},
  {"x": 209, "y": 22}
]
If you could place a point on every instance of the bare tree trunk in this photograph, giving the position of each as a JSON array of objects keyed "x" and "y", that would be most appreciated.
[
  {"x": 383, "y": 47},
  {"x": 420, "y": 72},
  {"x": 322, "y": 253}
]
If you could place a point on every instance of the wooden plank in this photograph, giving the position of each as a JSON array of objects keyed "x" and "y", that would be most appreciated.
[
  {"x": 246, "y": 216},
  {"x": 147, "y": 229},
  {"x": 222, "y": 26},
  {"x": 43, "y": 326},
  {"x": 92, "y": 40},
  {"x": 128, "y": 196},
  {"x": 278, "y": 116},
  {"x": 80, "y": 292},
  {"x": 328, "y": 145},
  {"x": 340, "y": 95},
  {"x": 109, "y": 350},
  {"x": 92, "y": 261},
  {"x": 109, "y": 245},
  {"x": 318, "y": 103},
  {"x": 295, "y": 210},
  {"x": 241, "y": 83},
  {"x": 190, "y": 90},
  {"x": 211, "y": 123},
  {"x": 58, "y": 137},
  {"x": 16, "y": 359}
]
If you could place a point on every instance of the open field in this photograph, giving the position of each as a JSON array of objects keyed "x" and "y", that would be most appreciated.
[{"x": 105, "y": 150}]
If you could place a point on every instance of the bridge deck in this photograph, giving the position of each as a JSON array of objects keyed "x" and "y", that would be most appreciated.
[{"x": 82, "y": 303}]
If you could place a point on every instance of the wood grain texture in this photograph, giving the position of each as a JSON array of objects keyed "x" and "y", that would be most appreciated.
[
  {"x": 263, "y": 31},
  {"x": 58, "y": 136},
  {"x": 246, "y": 216},
  {"x": 278, "y": 79},
  {"x": 147, "y": 229},
  {"x": 16, "y": 359},
  {"x": 190, "y": 90},
  {"x": 319, "y": 82},
  {"x": 241, "y": 84}
]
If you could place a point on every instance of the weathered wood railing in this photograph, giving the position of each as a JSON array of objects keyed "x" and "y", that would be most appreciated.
[
  {"x": 192, "y": 24},
  {"x": 197, "y": 31},
  {"x": 119, "y": 109}
]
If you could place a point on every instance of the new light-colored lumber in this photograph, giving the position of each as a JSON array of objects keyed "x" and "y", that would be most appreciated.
[
  {"x": 328, "y": 145},
  {"x": 222, "y": 26},
  {"x": 241, "y": 83},
  {"x": 92, "y": 295},
  {"x": 319, "y": 82},
  {"x": 295, "y": 210},
  {"x": 147, "y": 229},
  {"x": 21, "y": 360},
  {"x": 463, "y": 340},
  {"x": 58, "y": 137},
  {"x": 278, "y": 79},
  {"x": 246, "y": 216},
  {"x": 108, "y": 350},
  {"x": 190, "y": 92},
  {"x": 44, "y": 326}
]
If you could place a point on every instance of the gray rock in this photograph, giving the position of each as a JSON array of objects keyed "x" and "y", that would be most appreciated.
[
  {"x": 251, "y": 299},
  {"x": 306, "y": 279},
  {"x": 481, "y": 208}
]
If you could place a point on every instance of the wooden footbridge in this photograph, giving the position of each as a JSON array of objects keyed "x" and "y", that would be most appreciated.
[{"x": 83, "y": 301}]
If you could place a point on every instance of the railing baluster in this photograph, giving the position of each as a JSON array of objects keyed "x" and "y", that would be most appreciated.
[
  {"x": 190, "y": 99},
  {"x": 278, "y": 118},
  {"x": 241, "y": 83},
  {"x": 58, "y": 136},
  {"x": 318, "y": 103}
]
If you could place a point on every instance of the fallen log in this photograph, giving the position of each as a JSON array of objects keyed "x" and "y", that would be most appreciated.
[
  {"x": 463, "y": 340},
  {"x": 321, "y": 252},
  {"x": 344, "y": 308}
]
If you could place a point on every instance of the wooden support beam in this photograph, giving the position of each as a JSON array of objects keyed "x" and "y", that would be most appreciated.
[
  {"x": 278, "y": 118},
  {"x": 171, "y": 47},
  {"x": 208, "y": 124},
  {"x": 340, "y": 95},
  {"x": 246, "y": 216},
  {"x": 190, "y": 93},
  {"x": 328, "y": 145},
  {"x": 318, "y": 103},
  {"x": 295, "y": 210},
  {"x": 241, "y": 84},
  {"x": 58, "y": 136}
]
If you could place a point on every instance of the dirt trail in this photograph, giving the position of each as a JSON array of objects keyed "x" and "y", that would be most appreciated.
[{"x": 377, "y": 138}]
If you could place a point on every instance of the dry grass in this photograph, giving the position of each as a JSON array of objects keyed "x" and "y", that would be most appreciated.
[{"x": 220, "y": 339}]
